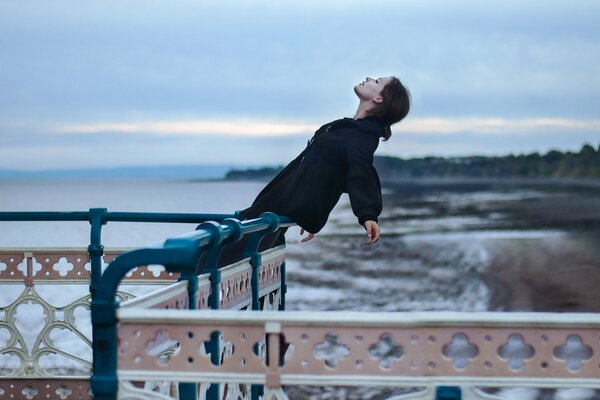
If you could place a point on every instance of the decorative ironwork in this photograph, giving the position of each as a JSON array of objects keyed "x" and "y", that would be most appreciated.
[{"x": 62, "y": 388}]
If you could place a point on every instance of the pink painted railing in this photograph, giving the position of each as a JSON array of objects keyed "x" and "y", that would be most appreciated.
[{"x": 367, "y": 349}]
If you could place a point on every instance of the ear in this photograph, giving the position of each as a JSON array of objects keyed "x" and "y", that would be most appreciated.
[{"x": 377, "y": 100}]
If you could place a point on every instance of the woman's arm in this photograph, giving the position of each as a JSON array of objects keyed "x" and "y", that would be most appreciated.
[{"x": 362, "y": 184}]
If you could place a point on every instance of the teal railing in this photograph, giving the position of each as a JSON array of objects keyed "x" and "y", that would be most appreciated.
[
  {"x": 178, "y": 255},
  {"x": 150, "y": 338}
]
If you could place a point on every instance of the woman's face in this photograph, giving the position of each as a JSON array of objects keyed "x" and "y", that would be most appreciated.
[{"x": 370, "y": 89}]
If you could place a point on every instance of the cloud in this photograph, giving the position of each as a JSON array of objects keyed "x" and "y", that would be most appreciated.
[
  {"x": 494, "y": 125},
  {"x": 186, "y": 80},
  {"x": 260, "y": 128},
  {"x": 241, "y": 127}
]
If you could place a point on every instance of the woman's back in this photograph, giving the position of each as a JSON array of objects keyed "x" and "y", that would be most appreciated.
[{"x": 308, "y": 188}]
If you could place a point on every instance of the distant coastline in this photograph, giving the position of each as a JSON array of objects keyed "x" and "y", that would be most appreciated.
[{"x": 554, "y": 167}]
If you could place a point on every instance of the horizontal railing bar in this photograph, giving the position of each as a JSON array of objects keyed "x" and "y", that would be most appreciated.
[
  {"x": 116, "y": 216},
  {"x": 424, "y": 381},
  {"x": 120, "y": 216},
  {"x": 232, "y": 269},
  {"x": 76, "y": 250},
  {"x": 157, "y": 296},
  {"x": 354, "y": 380},
  {"x": 366, "y": 319},
  {"x": 164, "y": 217},
  {"x": 44, "y": 216},
  {"x": 45, "y": 377}
]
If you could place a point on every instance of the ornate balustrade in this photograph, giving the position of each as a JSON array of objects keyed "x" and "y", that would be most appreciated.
[
  {"x": 46, "y": 344},
  {"x": 168, "y": 344},
  {"x": 225, "y": 355},
  {"x": 367, "y": 349},
  {"x": 36, "y": 322}
]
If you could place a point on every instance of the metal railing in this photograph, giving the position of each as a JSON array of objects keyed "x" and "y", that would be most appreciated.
[
  {"x": 181, "y": 255},
  {"x": 450, "y": 355},
  {"x": 98, "y": 217},
  {"x": 168, "y": 344},
  {"x": 21, "y": 354}
]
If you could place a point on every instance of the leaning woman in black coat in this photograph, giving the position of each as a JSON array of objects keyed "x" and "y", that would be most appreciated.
[{"x": 337, "y": 159}]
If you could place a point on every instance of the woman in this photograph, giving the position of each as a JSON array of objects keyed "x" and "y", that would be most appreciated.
[{"x": 338, "y": 159}]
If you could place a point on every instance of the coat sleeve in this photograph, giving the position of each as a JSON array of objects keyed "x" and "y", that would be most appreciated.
[{"x": 362, "y": 184}]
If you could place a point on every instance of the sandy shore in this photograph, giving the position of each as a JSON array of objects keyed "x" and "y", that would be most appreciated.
[{"x": 555, "y": 274}]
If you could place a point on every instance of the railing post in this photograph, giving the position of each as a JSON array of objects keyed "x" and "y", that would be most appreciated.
[
  {"x": 189, "y": 390},
  {"x": 448, "y": 393},
  {"x": 97, "y": 218},
  {"x": 214, "y": 345},
  {"x": 252, "y": 251},
  {"x": 255, "y": 261},
  {"x": 283, "y": 281},
  {"x": 178, "y": 255},
  {"x": 211, "y": 264}
]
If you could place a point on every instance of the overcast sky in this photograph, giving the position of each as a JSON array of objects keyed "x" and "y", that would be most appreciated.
[{"x": 118, "y": 83}]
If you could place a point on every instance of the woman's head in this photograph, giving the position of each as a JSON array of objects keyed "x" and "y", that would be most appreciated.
[{"x": 385, "y": 98}]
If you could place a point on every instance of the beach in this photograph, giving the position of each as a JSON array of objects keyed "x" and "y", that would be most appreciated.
[
  {"x": 462, "y": 245},
  {"x": 554, "y": 275}
]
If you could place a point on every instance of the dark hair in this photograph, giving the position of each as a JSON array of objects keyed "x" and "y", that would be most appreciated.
[{"x": 394, "y": 107}]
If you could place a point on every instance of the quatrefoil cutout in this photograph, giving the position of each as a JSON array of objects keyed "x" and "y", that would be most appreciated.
[
  {"x": 29, "y": 392},
  {"x": 460, "y": 351},
  {"x": 63, "y": 392},
  {"x": 331, "y": 350},
  {"x": 36, "y": 266},
  {"x": 162, "y": 347},
  {"x": 156, "y": 269},
  {"x": 573, "y": 352},
  {"x": 63, "y": 266},
  {"x": 516, "y": 351},
  {"x": 386, "y": 351},
  {"x": 226, "y": 347}
]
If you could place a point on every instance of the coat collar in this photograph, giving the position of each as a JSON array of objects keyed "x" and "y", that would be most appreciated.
[{"x": 367, "y": 124}]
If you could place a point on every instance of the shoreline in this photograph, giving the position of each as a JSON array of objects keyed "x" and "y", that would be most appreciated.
[{"x": 589, "y": 182}]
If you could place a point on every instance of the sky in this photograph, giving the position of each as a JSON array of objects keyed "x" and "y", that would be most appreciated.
[{"x": 173, "y": 82}]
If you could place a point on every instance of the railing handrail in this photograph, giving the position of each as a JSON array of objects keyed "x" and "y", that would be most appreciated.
[
  {"x": 485, "y": 319},
  {"x": 115, "y": 216}
]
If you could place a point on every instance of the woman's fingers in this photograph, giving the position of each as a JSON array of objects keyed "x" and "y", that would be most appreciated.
[
  {"x": 307, "y": 238},
  {"x": 373, "y": 231}
]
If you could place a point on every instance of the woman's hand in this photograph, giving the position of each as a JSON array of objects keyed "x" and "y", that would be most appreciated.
[
  {"x": 373, "y": 231},
  {"x": 308, "y": 237}
]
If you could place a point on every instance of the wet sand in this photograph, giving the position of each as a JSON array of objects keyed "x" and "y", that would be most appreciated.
[
  {"x": 500, "y": 245},
  {"x": 555, "y": 274}
]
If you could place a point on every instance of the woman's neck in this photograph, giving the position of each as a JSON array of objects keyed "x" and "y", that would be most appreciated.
[{"x": 363, "y": 110}]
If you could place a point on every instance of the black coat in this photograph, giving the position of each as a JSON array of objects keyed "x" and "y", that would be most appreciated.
[{"x": 338, "y": 159}]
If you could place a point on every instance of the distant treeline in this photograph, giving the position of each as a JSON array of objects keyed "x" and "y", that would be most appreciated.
[
  {"x": 584, "y": 164},
  {"x": 253, "y": 173},
  {"x": 555, "y": 164}
]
